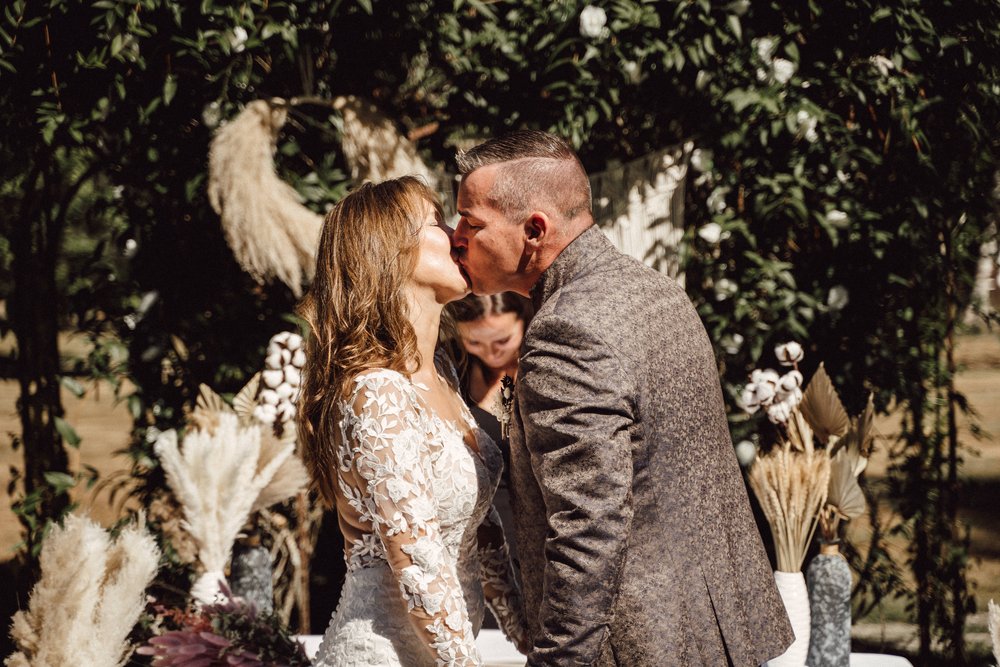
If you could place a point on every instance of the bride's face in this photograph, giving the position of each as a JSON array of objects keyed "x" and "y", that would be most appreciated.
[{"x": 436, "y": 269}]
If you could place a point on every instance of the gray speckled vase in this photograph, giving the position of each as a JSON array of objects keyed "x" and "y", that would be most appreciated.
[
  {"x": 250, "y": 577},
  {"x": 829, "y": 581}
]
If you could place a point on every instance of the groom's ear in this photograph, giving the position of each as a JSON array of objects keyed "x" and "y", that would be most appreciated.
[{"x": 536, "y": 228}]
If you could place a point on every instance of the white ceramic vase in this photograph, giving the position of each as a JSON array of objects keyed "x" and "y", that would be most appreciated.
[{"x": 795, "y": 595}]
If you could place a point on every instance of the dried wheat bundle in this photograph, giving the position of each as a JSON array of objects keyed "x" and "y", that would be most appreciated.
[
  {"x": 994, "y": 625},
  {"x": 217, "y": 481},
  {"x": 88, "y": 598},
  {"x": 373, "y": 145},
  {"x": 270, "y": 232},
  {"x": 791, "y": 486}
]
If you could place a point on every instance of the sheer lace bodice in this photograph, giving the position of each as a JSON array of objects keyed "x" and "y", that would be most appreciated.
[{"x": 422, "y": 541}]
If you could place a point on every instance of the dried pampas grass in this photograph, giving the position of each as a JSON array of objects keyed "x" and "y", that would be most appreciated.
[
  {"x": 88, "y": 598},
  {"x": 270, "y": 232},
  {"x": 266, "y": 225},
  {"x": 374, "y": 147},
  {"x": 217, "y": 481},
  {"x": 791, "y": 487}
]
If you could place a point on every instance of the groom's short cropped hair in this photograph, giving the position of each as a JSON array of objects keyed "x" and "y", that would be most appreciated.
[{"x": 535, "y": 168}]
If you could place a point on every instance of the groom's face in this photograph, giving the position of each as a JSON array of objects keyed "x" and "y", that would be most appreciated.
[{"x": 489, "y": 246}]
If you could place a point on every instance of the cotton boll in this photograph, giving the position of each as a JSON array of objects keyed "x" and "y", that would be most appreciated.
[
  {"x": 770, "y": 375},
  {"x": 765, "y": 393},
  {"x": 265, "y": 413},
  {"x": 746, "y": 452},
  {"x": 281, "y": 338},
  {"x": 286, "y": 412},
  {"x": 284, "y": 391},
  {"x": 292, "y": 376},
  {"x": 294, "y": 342},
  {"x": 271, "y": 396},
  {"x": 789, "y": 353},
  {"x": 286, "y": 357},
  {"x": 779, "y": 412},
  {"x": 790, "y": 381},
  {"x": 299, "y": 358},
  {"x": 272, "y": 378},
  {"x": 273, "y": 360}
]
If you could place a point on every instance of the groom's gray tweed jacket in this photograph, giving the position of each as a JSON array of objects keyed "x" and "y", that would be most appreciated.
[{"x": 636, "y": 543}]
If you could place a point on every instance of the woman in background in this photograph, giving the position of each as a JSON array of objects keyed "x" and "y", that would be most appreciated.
[
  {"x": 490, "y": 330},
  {"x": 391, "y": 446}
]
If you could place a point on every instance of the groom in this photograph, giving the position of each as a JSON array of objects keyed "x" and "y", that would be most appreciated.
[{"x": 636, "y": 542}]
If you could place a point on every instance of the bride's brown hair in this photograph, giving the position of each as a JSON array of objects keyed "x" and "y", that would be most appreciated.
[{"x": 357, "y": 310}]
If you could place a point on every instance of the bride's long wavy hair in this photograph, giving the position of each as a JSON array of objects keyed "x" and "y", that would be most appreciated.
[{"x": 357, "y": 309}]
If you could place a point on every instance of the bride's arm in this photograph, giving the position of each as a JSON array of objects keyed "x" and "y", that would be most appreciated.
[
  {"x": 390, "y": 469},
  {"x": 499, "y": 585}
]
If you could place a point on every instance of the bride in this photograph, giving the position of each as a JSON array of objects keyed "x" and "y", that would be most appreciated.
[{"x": 390, "y": 444}]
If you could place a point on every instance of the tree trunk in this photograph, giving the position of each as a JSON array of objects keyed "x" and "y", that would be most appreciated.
[{"x": 34, "y": 320}]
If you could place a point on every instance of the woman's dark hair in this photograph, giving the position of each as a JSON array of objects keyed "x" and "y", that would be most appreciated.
[{"x": 474, "y": 307}]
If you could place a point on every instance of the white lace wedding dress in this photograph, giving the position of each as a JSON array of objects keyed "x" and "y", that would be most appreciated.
[{"x": 424, "y": 548}]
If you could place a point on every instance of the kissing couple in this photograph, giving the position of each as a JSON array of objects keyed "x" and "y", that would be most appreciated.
[{"x": 635, "y": 541}]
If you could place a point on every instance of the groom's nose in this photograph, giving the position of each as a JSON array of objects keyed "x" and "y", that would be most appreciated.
[{"x": 459, "y": 241}]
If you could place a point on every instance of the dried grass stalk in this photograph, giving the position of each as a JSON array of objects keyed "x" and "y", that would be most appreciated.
[
  {"x": 791, "y": 487},
  {"x": 88, "y": 598},
  {"x": 270, "y": 232}
]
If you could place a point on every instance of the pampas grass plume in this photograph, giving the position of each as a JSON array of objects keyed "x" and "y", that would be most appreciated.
[
  {"x": 268, "y": 229},
  {"x": 88, "y": 598},
  {"x": 216, "y": 481}
]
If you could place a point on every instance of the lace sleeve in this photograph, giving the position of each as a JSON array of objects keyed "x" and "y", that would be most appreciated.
[
  {"x": 390, "y": 472},
  {"x": 499, "y": 585}
]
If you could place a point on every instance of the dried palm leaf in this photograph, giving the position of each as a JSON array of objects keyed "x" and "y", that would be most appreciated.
[
  {"x": 268, "y": 229},
  {"x": 845, "y": 492},
  {"x": 290, "y": 477},
  {"x": 865, "y": 428},
  {"x": 246, "y": 400},
  {"x": 208, "y": 406},
  {"x": 822, "y": 408}
]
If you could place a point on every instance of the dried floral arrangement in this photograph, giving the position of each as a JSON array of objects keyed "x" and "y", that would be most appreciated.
[
  {"x": 89, "y": 597},
  {"x": 235, "y": 460},
  {"x": 809, "y": 478},
  {"x": 229, "y": 631}
]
